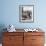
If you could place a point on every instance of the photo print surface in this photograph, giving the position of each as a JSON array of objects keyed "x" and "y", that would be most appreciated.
[{"x": 26, "y": 13}]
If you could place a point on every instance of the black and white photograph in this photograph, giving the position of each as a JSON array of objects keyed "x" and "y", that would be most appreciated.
[{"x": 26, "y": 13}]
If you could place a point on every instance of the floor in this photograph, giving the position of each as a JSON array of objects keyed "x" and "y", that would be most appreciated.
[{"x": 0, "y": 44}]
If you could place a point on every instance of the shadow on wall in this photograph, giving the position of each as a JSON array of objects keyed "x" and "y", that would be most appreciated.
[{"x": 2, "y": 26}]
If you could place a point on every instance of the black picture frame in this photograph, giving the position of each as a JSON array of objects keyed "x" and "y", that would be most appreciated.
[{"x": 26, "y": 13}]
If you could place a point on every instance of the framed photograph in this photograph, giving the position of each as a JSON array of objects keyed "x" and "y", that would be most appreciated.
[{"x": 26, "y": 13}]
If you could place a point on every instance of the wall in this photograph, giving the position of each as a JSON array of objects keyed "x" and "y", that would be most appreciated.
[{"x": 9, "y": 13}]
